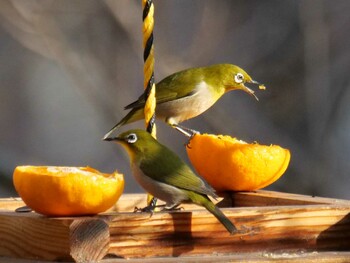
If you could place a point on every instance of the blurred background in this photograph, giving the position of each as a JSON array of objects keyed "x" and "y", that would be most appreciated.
[{"x": 69, "y": 67}]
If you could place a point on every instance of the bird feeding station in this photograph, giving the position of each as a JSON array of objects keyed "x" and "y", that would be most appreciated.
[{"x": 273, "y": 226}]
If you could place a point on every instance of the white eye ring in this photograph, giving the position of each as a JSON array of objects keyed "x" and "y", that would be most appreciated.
[
  {"x": 131, "y": 138},
  {"x": 239, "y": 78}
]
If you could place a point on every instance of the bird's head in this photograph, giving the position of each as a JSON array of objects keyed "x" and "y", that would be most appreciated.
[
  {"x": 236, "y": 79},
  {"x": 136, "y": 142}
]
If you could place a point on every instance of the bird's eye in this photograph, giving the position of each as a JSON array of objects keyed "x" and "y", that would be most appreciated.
[
  {"x": 131, "y": 138},
  {"x": 239, "y": 78}
]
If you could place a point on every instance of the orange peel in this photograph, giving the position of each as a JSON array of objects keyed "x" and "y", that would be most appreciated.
[
  {"x": 67, "y": 191},
  {"x": 231, "y": 164}
]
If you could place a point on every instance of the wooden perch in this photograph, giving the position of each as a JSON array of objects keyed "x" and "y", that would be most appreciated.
[{"x": 268, "y": 222}]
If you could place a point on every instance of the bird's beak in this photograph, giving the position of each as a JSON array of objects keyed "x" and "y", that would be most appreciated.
[
  {"x": 109, "y": 139},
  {"x": 249, "y": 91},
  {"x": 252, "y": 92}
]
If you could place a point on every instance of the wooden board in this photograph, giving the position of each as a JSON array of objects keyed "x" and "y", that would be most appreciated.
[
  {"x": 254, "y": 257},
  {"x": 268, "y": 222}
]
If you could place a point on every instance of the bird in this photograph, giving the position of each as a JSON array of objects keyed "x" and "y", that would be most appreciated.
[
  {"x": 160, "y": 172},
  {"x": 188, "y": 93}
]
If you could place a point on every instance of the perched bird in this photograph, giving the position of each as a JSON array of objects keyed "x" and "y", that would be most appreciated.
[
  {"x": 189, "y": 93},
  {"x": 164, "y": 175}
]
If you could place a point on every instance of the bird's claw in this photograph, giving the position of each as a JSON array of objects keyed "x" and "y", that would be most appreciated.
[
  {"x": 150, "y": 209},
  {"x": 169, "y": 209},
  {"x": 187, "y": 144},
  {"x": 185, "y": 131},
  {"x": 175, "y": 207},
  {"x": 147, "y": 209},
  {"x": 190, "y": 133}
]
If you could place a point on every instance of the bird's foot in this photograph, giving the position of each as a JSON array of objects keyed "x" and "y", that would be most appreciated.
[
  {"x": 165, "y": 209},
  {"x": 185, "y": 131},
  {"x": 150, "y": 208},
  {"x": 190, "y": 133},
  {"x": 147, "y": 209},
  {"x": 172, "y": 208}
]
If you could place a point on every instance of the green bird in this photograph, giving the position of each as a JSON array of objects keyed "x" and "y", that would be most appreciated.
[
  {"x": 164, "y": 175},
  {"x": 189, "y": 93}
]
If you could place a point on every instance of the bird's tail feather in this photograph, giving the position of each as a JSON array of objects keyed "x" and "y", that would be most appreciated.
[{"x": 212, "y": 208}]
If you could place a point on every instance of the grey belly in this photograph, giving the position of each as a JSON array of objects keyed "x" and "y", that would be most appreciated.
[{"x": 177, "y": 111}]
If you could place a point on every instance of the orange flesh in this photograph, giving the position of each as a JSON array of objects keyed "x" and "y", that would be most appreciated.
[{"x": 230, "y": 164}]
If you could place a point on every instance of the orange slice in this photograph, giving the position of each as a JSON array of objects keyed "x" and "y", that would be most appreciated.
[
  {"x": 231, "y": 164},
  {"x": 67, "y": 191}
]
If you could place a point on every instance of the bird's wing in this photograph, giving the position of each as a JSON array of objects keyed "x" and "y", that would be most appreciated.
[
  {"x": 162, "y": 95},
  {"x": 173, "y": 87},
  {"x": 170, "y": 169}
]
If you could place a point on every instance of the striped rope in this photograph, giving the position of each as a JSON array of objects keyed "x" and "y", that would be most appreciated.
[{"x": 148, "y": 71}]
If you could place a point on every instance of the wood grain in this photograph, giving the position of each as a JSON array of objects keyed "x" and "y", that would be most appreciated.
[
  {"x": 268, "y": 222},
  {"x": 271, "y": 198},
  {"x": 33, "y": 236},
  {"x": 262, "y": 229},
  {"x": 38, "y": 237},
  {"x": 255, "y": 257}
]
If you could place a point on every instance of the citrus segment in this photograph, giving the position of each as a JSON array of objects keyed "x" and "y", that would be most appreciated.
[
  {"x": 231, "y": 164},
  {"x": 67, "y": 191}
]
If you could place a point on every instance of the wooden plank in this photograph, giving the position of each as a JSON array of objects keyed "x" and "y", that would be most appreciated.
[
  {"x": 258, "y": 257},
  {"x": 271, "y": 198},
  {"x": 240, "y": 199},
  {"x": 314, "y": 224},
  {"x": 262, "y": 229},
  {"x": 128, "y": 202},
  {"x": 33, "y": 236},
  {"x": 10, "y": 204}
]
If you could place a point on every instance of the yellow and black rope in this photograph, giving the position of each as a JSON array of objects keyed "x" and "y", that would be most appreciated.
[{"x": 148, "y": 70}]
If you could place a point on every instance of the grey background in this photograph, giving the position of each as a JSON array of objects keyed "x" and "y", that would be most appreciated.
[{"x": 69, "y": 67}]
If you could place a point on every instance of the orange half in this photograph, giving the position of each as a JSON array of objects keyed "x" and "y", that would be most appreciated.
[
  {"x": 67, "y": 191},
  {"x": 231, "y": 164}
]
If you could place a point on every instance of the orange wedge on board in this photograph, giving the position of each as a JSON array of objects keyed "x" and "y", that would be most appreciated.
[
  {"x": 231, "y": 164},
  {"x": 67, "y": 191}
]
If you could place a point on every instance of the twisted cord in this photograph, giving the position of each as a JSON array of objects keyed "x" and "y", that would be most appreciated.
[{"x": 148, "y": 69}]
